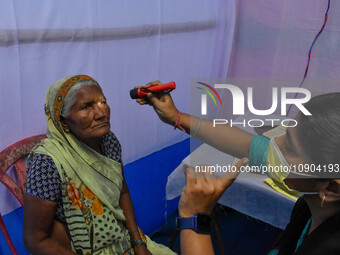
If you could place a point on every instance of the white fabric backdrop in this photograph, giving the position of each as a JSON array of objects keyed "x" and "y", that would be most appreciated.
[
  {"x": 121, "y": 44},
  {"x": 27, "y": 69},
  {"x": 272, "y": 41}
]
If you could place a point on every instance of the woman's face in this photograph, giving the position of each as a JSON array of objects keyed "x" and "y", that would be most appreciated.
[
  {"x": 90, "y": 115},
  {"x": 290, "y": 147},
  {"x": 295, "y": 156}
]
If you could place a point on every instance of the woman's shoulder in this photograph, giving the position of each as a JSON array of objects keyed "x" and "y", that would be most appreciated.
[
  {"x": 324, "y": 239},
  {"x": 41, "y": 165},
  {"x": 110, "y": 138},
  {"x": 300, "y": 213},
  {"x": 43, "y": 179},
  {"x": 38, "y": 160},
  {"x": 112, "y": 146}
]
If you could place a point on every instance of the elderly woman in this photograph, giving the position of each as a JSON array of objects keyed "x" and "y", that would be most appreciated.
[
  {"x": 314, "y": 227},
  {"x": 77, "y": 201}
]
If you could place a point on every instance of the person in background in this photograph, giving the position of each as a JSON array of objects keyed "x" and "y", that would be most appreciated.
[
  {"x": 314, "y": 227},
  {"x": 77, "y": 200}
]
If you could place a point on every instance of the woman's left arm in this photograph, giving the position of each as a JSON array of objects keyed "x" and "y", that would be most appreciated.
[{"x": 125, "y": 203}]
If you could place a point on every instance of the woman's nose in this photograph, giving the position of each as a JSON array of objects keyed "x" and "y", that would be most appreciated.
[{"x": 99, "y": 111}]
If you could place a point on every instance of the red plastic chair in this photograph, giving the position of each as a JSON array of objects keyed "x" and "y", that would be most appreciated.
[{"x": 13, "y": 155}]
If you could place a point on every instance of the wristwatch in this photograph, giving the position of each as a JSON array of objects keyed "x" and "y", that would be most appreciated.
[{"x": 200, "y": 223}]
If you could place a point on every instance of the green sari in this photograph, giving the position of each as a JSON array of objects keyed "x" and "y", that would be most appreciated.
[{"x": 91, "y": 185}]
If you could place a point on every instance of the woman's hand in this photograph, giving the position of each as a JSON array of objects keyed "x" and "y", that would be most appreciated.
[
  {"x": 142, "y": 250},
  {"x": 162, "y": 104},
  {"x": 203, "y": 190}
]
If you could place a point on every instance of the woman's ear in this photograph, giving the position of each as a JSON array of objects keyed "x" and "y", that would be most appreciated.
[
  {"x": 64, "y": 125},
  {"x": 330, "y": 190}
]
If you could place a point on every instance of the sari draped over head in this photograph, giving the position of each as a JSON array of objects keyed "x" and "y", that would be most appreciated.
[{"x": 91, "y": 183}]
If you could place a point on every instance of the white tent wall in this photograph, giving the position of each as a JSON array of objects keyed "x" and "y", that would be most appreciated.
[
  {"x": 273, "y": 37},
  {"x": 121, "y": 44},
  {"x": 271, "y": 44}
]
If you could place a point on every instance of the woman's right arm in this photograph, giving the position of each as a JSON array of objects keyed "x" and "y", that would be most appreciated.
[
  {"x": 230, "y": 140},
  {"x": 41, "y": 233}
]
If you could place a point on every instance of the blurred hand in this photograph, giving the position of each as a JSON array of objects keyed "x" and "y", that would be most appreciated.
[
  {"x": 162, "y": 104},
  {"x": 203, "y": 190}
]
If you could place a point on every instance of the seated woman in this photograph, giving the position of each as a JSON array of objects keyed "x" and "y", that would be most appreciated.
[
  {"x": 314, "y": 227},
  {"x": 77, "y": 200}
]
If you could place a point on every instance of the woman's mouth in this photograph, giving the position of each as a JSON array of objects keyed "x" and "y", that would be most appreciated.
[{"x": 101, "y": 124}]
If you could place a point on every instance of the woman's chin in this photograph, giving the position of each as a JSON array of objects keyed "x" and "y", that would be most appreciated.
[
  {"x": 99, "y": 132},
  {"x": 104, "y": 131}
]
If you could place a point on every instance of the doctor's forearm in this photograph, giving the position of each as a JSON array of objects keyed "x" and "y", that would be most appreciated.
[{"x": 230, "y": 140}]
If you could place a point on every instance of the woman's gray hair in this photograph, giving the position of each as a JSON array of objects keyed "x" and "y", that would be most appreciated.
[{"x": 71, "y": 96}]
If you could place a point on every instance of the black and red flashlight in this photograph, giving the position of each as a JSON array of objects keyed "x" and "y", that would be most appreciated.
[{"x": 157, "y": 89}]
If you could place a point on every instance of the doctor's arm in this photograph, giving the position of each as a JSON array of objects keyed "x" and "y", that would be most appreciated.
[{"x": 230, "y": 140}]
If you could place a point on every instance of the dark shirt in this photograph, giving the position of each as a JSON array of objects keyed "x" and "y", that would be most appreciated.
[{"x": 324, "y": 240}]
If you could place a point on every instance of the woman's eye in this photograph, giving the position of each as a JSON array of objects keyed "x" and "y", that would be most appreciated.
[
  {"x": 84, "y": 107},
  {"x": 102, "y": 101}
]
